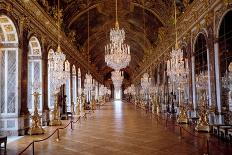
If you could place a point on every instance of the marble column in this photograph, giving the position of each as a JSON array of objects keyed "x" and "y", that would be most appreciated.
[
  {"x": 23, "y": 66},
  {"x": 218, "y": 85},
  {"x": 45, "y": 110},
  {"x": 194, "y": 94}
]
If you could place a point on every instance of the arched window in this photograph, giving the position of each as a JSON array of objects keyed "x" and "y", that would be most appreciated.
[
  {"x": 79, "y": 82},
  {"x": 67, "y": 86},
  {"x": 201, "y": 62},
  {"x": 34, "y": 73},
  {"x": 225, "y": 57},
  {"x": 200, "y": 55},
  {"x": 74, "y": 84},
  {"x": 8, "y": 73},
  {"x": 50, "y": 86}
]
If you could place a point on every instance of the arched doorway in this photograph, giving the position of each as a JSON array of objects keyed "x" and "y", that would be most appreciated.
[
  {"x": 9, "y": 69},
  {"x": 34, "y": 73}
]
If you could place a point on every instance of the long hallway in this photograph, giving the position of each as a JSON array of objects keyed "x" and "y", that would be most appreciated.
[{"x": 117, "y": 128}]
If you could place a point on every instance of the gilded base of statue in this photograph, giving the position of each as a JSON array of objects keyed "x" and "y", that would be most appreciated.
[
  {"x": 36, "y": 131},
  {"x": 55, "y": 122},
  {"x": 203, "y": 128},
  {"x": 36, "y": 128},
  {"x": 182, "y": 120}
]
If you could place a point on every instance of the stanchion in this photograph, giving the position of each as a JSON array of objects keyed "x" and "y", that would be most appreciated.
[
  {"x": 58, "y": 135},
  {"x": 71, "y": 124},
  {"x": 33, "y": 147},
  {"x": 180, "y": 132},
  {"x": 207, "y": 145},
  {"x": 166, "y": 122}
]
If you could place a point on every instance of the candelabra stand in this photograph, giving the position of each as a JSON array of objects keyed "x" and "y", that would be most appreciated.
[
  {"x": 36, "y": 128},
  {"x": 182, "y": 117},
  {"x": 154, "y": 103},
  {"x": 55, "y": 119},
  {"x": 93, "y": 103},
  {"x": 203, "y": 123},
  {"x": 83, "y": 99},
  {"x": 78, "y": 110}
]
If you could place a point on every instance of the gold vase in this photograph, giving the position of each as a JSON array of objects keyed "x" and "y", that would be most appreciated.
[
  {"x": 36, "y": 128},
  {"x": 55, "y": 120}
]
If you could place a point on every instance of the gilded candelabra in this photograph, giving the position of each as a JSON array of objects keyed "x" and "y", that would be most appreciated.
[
  {"x": 36, "y": 127},
  {"x": 55, "y": 119},
  {"x": 78, "y": 110},
  {"x": 203, "y": 122},
  {"x": 83, "y": 103},
  {"x": 182, "y": 117}
]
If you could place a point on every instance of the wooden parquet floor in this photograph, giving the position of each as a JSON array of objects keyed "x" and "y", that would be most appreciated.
[{"x": 117, "y": 128}]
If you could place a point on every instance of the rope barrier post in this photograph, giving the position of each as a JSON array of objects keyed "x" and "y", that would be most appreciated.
[
  {"x": 180, "y": 132},
  {"x": 58, "y": 135},
  {"x": 33, "y": 147},
  {"x": 72, "y": 124},
  {"x": 207, "y": 145},
  {"x": 157, "y": 119},
  {"x": 166, "y": 122}
]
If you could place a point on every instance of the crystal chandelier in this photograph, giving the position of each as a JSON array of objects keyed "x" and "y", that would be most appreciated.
[
  {"x": 104, "y": 90},
  {"x": 117, "y": 78},
  {"x": 130, "y": 90},
  {"x": 56, "y": 69},
  {"x": 145, "y": 81},
  {"x": 201, "y": 80},
  {"x": 88, "y": 83},
  {"x": 177, "y": 68},
  {"x": 117, "y": 53}
]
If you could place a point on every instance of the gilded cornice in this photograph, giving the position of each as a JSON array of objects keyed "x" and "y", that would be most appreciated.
[
  {"x": 38, "y": 21},
  {"x": 194, "y": 14}
]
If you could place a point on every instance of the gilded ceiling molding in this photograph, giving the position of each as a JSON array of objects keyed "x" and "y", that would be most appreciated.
[
  {"x": 47, "y": 26},
  {"x": 189, "y": 19}
]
